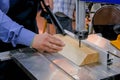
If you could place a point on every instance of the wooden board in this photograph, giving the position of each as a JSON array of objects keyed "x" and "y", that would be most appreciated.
[{"x": 79, "y": 55}]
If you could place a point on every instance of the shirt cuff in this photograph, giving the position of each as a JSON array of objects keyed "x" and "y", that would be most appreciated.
[{"x": 25, "y": 37}]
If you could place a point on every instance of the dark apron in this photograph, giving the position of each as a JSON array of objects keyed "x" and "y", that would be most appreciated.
[{"x": 24, "y": 13}]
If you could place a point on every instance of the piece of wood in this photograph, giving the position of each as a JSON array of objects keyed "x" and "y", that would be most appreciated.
[{"x": 79, "y": 55}]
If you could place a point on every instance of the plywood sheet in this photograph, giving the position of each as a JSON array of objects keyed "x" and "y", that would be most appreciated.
[{"x": 79, "y": 55}]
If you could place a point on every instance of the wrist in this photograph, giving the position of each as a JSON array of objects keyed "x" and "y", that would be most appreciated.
[{"x": 31, "y": 44}]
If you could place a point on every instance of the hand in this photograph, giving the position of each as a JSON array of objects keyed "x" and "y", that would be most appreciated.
[
  {"x": 47, "y": 42},
  {"x": 48, "y": 3}
]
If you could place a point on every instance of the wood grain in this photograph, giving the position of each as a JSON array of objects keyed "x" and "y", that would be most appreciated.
[{"x": 79, "y": 55}]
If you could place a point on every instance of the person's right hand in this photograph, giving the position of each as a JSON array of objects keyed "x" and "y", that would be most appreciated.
[
  {"x": 49, "y": 3},
  {"x": 48, "y": 43}
]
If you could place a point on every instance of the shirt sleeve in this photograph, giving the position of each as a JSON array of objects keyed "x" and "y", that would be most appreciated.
[{"x": 11, "y": 32}]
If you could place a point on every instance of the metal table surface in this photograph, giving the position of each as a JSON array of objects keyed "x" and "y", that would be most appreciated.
[{"x": 43, "y": 66}]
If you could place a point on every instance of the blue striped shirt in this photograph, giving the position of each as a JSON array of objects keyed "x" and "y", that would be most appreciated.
[{"x": 64, "y": 6}]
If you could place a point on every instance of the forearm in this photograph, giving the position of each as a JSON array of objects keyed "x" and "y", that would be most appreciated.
[
  {"x": 11, "y": 32},
  {"x": 25, "y": 37}
]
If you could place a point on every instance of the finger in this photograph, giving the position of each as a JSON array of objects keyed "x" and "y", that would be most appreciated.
[
  {"x": 50, "y": 50},
  {"x": 56, "y": 41},
  {"x": 54, "y": 46},
  {"x": 47, "y": 2},
  {"x": 51, "y": 4},
  {"x": 49, "y": 47}
]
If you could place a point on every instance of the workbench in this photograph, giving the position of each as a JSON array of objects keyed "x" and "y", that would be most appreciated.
[{"x": 44, "y": 66}]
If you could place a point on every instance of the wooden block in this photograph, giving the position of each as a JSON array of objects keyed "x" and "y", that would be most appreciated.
[{"x": 79, "y": 55}]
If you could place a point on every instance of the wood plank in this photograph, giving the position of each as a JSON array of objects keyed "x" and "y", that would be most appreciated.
[{"x": 79, "y": 55}]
